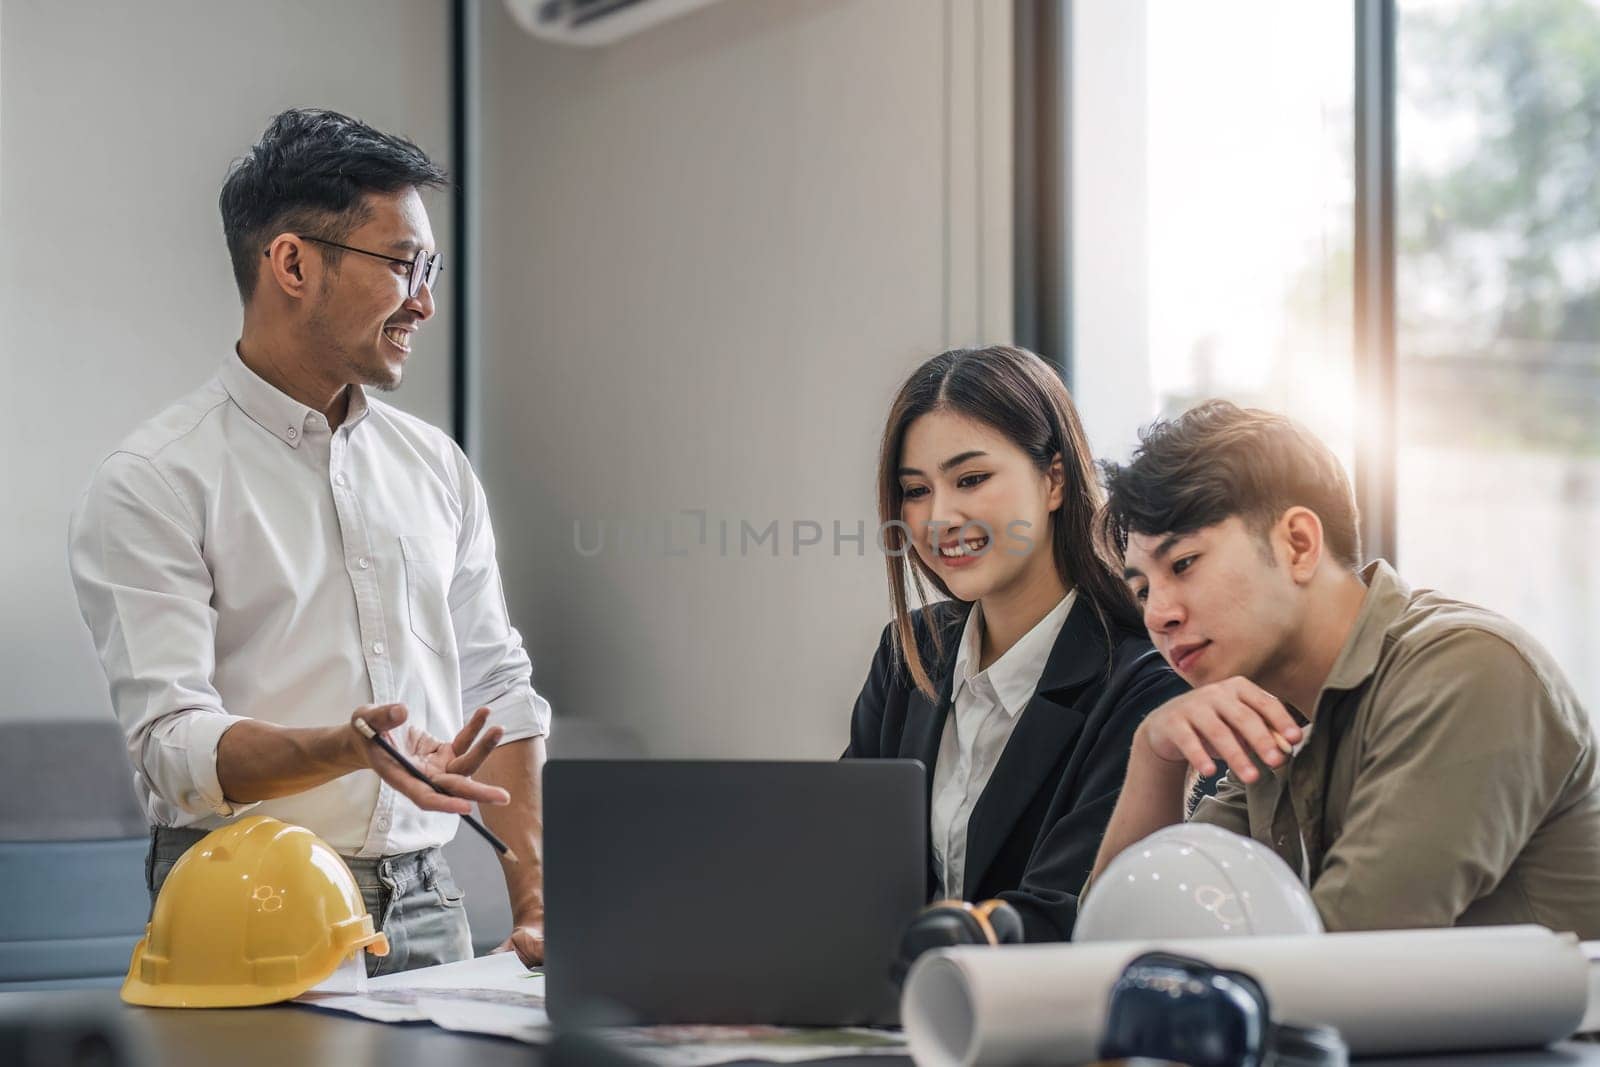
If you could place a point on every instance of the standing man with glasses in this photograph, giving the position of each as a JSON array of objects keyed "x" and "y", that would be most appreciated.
[{"x": 280, "y": 553}]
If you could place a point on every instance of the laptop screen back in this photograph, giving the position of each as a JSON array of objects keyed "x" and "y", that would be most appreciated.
[{"x": 730, "y": 892}]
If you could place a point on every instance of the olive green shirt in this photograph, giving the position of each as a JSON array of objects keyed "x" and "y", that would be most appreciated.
[{"x": 1449, "y": 777}]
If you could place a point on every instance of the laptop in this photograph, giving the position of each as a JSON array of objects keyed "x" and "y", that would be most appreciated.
[{"x": 730, "y": 892}]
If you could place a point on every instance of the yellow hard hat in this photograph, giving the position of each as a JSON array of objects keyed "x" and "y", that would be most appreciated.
[{"x": 256, "y": 912}]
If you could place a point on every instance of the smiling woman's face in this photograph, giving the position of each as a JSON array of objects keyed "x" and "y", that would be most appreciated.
[{"x": 978, "y": 509}]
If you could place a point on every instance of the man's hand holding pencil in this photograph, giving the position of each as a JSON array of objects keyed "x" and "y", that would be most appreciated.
[{"x": 447, "y": 765}]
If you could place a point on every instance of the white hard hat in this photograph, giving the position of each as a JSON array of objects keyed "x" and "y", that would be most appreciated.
[{"x": 1195, "y": 880}]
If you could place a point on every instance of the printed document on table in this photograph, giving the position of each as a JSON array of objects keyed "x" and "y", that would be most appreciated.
[
  {"x": 488, "y": 995},
  {"x": 706, "y": 1046},
  {"x": 497, "y": 995}
]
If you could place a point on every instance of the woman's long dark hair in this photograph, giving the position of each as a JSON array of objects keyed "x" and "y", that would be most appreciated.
[{"x": 1019, "y": 395}]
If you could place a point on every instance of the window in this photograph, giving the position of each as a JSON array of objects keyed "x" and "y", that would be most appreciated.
[
  {"x": 1239, "y": 285},
  {"x": 1212, "y": 227},
  {"x": 1498, "y": 313}
]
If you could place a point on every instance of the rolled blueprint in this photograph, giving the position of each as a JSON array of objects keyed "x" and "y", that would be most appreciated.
[{"x": 1388, "y": 993}]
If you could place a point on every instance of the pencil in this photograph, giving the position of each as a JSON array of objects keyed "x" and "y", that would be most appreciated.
[{"x": 365, "y": 729}]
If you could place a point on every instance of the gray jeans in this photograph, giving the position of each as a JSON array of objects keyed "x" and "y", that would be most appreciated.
[{"x": 411, "y": 897}]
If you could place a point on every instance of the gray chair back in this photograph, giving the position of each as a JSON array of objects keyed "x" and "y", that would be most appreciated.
[{"x": 72, "y": 848}]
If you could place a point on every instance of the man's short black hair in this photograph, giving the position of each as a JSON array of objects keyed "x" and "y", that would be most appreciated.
[
  {"x": 309, "y": 172},
  {"x": 1218, "y": 460}
]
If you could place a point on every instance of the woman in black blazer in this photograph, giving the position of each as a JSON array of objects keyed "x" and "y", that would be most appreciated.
[{"x": 1020, "y": 691}]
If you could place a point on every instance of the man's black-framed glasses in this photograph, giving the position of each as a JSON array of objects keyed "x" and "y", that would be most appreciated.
[{"x": 424, "y": 268}]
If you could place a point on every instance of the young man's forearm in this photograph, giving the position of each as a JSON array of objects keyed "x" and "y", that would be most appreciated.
[
  {"x": 258, "y": 761},
  {"x": 1152, "y": 797},
  {"x": 517, "y": 767}
]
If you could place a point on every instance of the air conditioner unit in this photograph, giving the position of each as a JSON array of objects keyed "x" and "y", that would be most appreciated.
[{"x": 595, "y": 22}]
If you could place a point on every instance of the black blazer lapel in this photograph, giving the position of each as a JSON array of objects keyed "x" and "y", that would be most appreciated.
[
  {"x": 924, "y": 725},
  {"x": 924, "y": 728},
  {"x": 1048, "y": 727}
]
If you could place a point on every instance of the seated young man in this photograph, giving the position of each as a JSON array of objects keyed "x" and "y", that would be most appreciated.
[{"x": 1421, "y": 761}]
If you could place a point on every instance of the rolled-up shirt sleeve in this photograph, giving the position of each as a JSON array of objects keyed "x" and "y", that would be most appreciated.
[
  {"x": 145, "y": 592},
  {"x": 495, "y": 670}
]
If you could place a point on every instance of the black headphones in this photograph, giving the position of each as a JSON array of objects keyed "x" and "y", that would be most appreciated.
[
  {"x": 1174, "y": 1008},
  {"x": 947, "y": 923}
]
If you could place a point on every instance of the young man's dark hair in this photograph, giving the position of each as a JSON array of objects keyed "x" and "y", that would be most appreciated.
[
  {"x": 1219, "y": 460},
  {"x": 308, "y": 172}
]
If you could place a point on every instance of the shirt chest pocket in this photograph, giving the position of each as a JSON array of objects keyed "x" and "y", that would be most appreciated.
[{"x": 430, "y": 562}]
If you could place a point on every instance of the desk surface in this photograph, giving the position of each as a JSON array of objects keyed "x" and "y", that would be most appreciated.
[{"x": 271, "y": 1037}]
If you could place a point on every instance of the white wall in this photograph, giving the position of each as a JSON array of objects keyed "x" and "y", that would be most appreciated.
[
  {"x": 712, "y": 252},
  {"x": 117, "y": 124}
]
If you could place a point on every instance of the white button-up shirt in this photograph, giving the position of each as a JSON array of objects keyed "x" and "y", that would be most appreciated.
[
  {"x": 235, "y": 559},
  {"x": 987, "y": 705}
]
